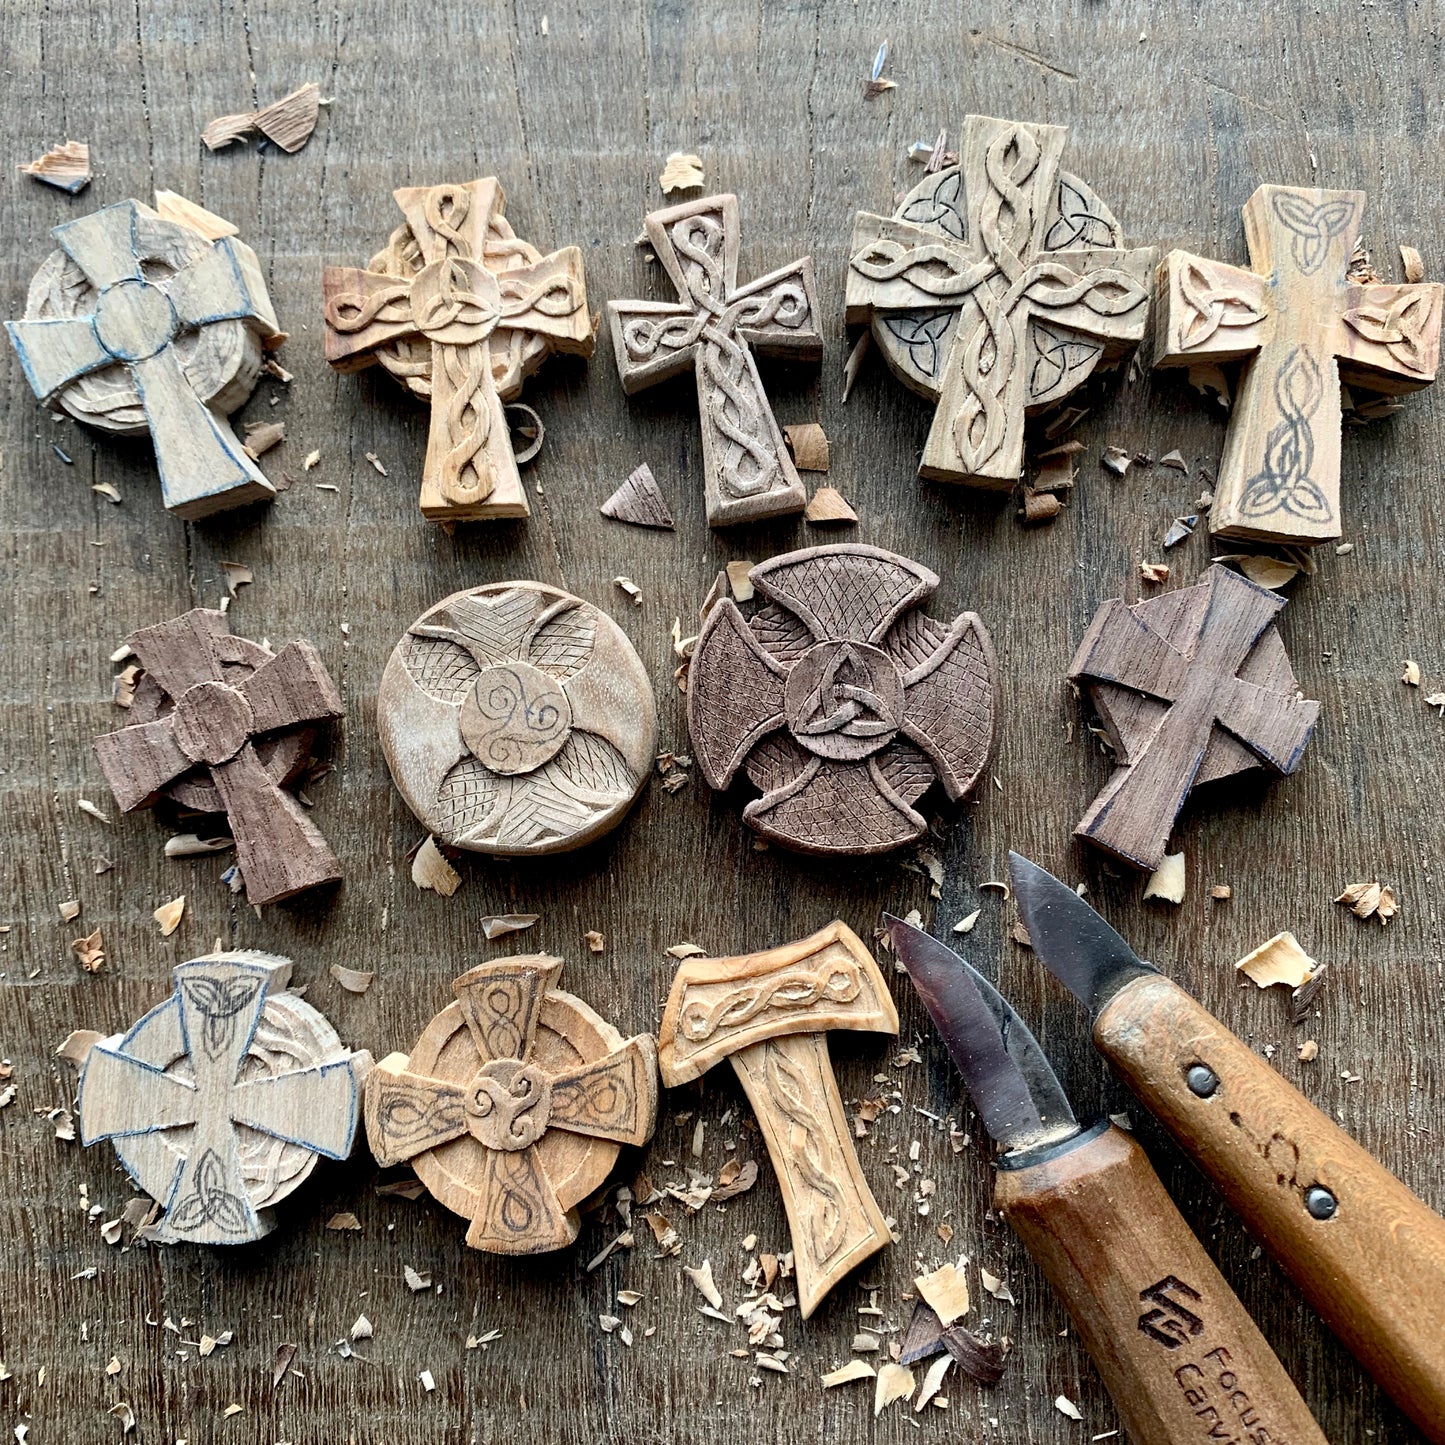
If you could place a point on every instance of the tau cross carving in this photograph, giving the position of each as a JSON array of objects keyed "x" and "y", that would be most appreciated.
[
  {"x": 1191, "y": 687},
  {"x": 715, "y": 328},
  {"x": 460, "y": 311},
  {"x": 137, "y": 324},
  {"x": 221, "y": 726},
  {"x": 220, "y": 1099},
  {"x": 995, "y": 291},
  {"x": 1302, "y": 324},
  {"x": 514, "y": 1104}
]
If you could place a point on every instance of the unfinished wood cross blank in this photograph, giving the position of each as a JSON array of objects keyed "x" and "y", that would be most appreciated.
[
  {"x": 222, "y": 726},
  {"x": 1191, "y": 687},
  {"x": 769, "y": 1014},
  {"x": 715, "y": 328},
  {"x": 514, "y": 1104},
  {"x": 220, "y": 1100},
  {"x": 995, "y": 290},
  {"x": 841, "y": 700},
  {"x": 137, "y": 325},
  {"x": 1301, "y": 323},
  {"x": 460, "y": 311}
]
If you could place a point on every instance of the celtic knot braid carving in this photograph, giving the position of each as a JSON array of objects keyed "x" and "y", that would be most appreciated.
[
  {"x": 836, "y": 982},
  {"x": 1284, "y": 483},
  {"x": 813, "y": 1156}
]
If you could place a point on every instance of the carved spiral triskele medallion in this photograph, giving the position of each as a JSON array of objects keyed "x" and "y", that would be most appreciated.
[{"x": 517, "y": 719}]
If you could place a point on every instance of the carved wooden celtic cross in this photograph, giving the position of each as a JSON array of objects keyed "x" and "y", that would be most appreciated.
[
  {"x": 514, "y": 1104},
  {"x": 138, "y": 324},
  {"x": 996, "y": 290},
  {"x": 1191, "y": 686},
  {"x": 460, "y": 311},
  {"x": 221, "y": 727},
  {"x": 1301, "y": 323},
  {"x": 220, "y": 1099},
  {"x": 715, "y": 327},
  {"x": 768, "y": 1013}
]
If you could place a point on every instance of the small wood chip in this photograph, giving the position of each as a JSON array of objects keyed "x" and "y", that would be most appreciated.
[
  {"x": 740, "y": 579},
  {"x": 808, "y": 443},
  {"x": 1168, "y": 880},
  {"x": 189, "y": 845},
  {"x": 168, "y": 915},
  {"x": 686, "y": 950},
  {"x": 261, "y": 436},
  {"x": 1413, "y": 263},
  {"x": 416, "y": 1280},
  {"x": 704, "y": 1283},
  {"x": 288, "y": 121},
  {"x": 86, "y": 806},
  {"x": 1302, "y": 999},
  {"x": 377, "y": 464},
  {"x": 1175, "y": 460},
  {"x": 69, "y": 910},
  {"x": 430, "y": 869},
  {"x": 1411, "y": 676},
  {"x": 596, "y": 941},
  {"x": 1221, "y": 891},
  {"x": 828, "y": 507},
  {"x": 1020, "y": 935},
  {"x": 1066, "y": 1406},
  {"x": 109, "y": 490},
  {"x": 846, "y": 1374},
  {"x": 90, "y": 950},
  {"x": 123, "y": 1412},
  {"x": 499, "y": 925},
  {"x": 312, "y": 459},
  {"x": 630, "y": 588},
  {"x": 1366, "y": 900},
  {"x": 77, "y": 1045},
  {"x": 1270, "y": 572},
  {"x": 173, "y": 207},
  {"x": 945, "y": 1291},
  {"x": 362, "y": 1329},
  {"x": 683, "y": 172},
  {"x": 932, "y": 1381},
  {"x": 1154, "y": 572},
  {"x": 344, "y": 1221},
  {"x": 66, "y": 167},
  {"x": 1280, "y": 960},
  {"x": 639, "y": 501},
  {"x": 997, "y": 1287},
  {"x": 966, "y": 924},
  {"x": 1116, "y": 459},
  {"x": 1039, "y": 506},
  {"x": 895, "y": 1382},
  {"x": 1309, "y": 1051},
  {"x": 353, "y": 980},
  {"x": 427, "y": 1382}
]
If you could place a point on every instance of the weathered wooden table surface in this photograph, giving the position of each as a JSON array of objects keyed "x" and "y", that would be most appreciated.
[{"x": 1175, "y": 117}]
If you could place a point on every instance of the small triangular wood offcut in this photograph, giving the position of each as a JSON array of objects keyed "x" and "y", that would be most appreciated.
[{"x": 639, "y": 500}]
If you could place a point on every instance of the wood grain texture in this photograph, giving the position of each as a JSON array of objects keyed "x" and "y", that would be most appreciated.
[
  {"x": 1178, "y": 1351},
  {"x": 1373, "y": 1266},
  {"x": 1303, "y": 323},
  {"x": 1176, "y": 133}
]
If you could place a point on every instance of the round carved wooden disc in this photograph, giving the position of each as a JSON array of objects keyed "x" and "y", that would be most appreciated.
[{"x": 517, "y": 719}]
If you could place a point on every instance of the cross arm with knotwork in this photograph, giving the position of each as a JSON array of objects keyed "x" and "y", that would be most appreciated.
[{"x": 1301, "y": 323}]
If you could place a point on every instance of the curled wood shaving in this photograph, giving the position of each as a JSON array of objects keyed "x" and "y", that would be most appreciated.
[
  {"x": 108, "y": 489},
  {"x": 1270, "y": 572},
  {"x": 1280, "y": 960},
  {"x": 86, "y": 806},
  {"x": 66, "y": 167},
  {"x": 499, "y": 925},
  {"x": 828, "y": 507},
  {"x": 261, "y": 436},
  {"x": 740, "y": 579},
  {"x": 70, "y": 910},
  {"x": 90, "y": 951},
  {"x": 596, "y": 940},
  {"x": 236, "y": 574},
  {"x": 288, "y": 121},
  {"x": 1039, "y": 506},
  {"x": 430, "y": 869},
  {"x": 704, "y": 1283},
  {"x": 682, "y": 172},
  {"x": 1174, "y": 459},
  {"x": 1168, "y": 880},
  {"x": 76, "y": 1045},
  {"x": 1411, "y": 675},
  {"x": 1116, "y": 459},
  {"x": 1413, "y": 264},
  {"x": 362, "y": 1329},
  {"x": 530, "y": 429},
  {"x": 895, "y": 1382},
  {"x": 734, "y": 1178},
  {"x": 171, "y": 206},
  {"x": 630, "y": 588},
  {"x": 874, "y": 85},
  {"x": 808, "y": 443},
  {"x": 125, "y": 1414},
  {"x": 1154, "y": 573},
  {"x": 997, "y": 1287},
  {"x": 312, "y": 459},
  {"x": 417, "y": 1280},
  {"x": 189, "y": 845},
  {"x": 353, "y": 980},
  {"x": 377, "y": 464},
  {"x": 846, "y": 1374},
  {"x": 168, "y": 915},
  {"x": 945, "y": 1291},
  {"x": 1366, "y": 900}
]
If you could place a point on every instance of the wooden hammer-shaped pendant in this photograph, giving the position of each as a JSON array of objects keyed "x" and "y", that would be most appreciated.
[{"x": 769, "y": 1013}]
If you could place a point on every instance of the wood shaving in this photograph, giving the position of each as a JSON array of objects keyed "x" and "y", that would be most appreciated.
[
  {"x": 1175, "y": 460},
  {"x": 312, "y": 459},
  {"x": 86, "y": 806},
  {"x": 1066, "y": 1406},
  {"x": 945, "y": 1291},
  {"x": 808, "y": 443},
  {"x": 1280, "y": 960},
  {"x": 430, "y": 869},
  {"x": 874, "y": 86},
  {"x": 1020, "y": 935},
  {"x": 77, "y": 1044},
  {"x": 704, "y": 1283},
  {"x": 828, "y": 507},
  {"x": 639, "y": 501},
  {"x": 1366, "y": 900},
  {"x": 740, "y": 579},
  {"x": 686, "y": 950},
  {"x": 417, "y": 1280},
  {"x": 1221, "y": 892},
  {"x": 377, "y": 464},
  {"x": 1116, "y": 459},
  {"x": 231, "y": 1409},
  {"x": 69, "y": 911},
  {"x": 854, "y": 361},
  {"x": 627, "y": 1298},
  {"x": 499, "y": 925},
  {"x": 188, "y": 845},
  {"x": 1270, "y": 572},
  {"x": 344, "y": 1221},
  {"x": 353, "y": 980},
  {"x": 123, "y": 1412},
  {"x": 90, "y": 951},
  {"x": 288, "y": 121},
  {"x": 66, "y": 167},
  {"x": 1309, "y": 1051},
  {"x": 1411, "y": 675},
  {"x": 108, "y": 489},
  {"x": 734, "y": 1179},
  {"x": 596, "y": 940},
  {"x": 261, "y": 436},
  {"x": 932, "y": 1381},
  {"x": 1180, "y": 530},
  {"x": 236, "y": 574},
  {"x": 1168, "y": 880},
  {"x": 682, "y": 172},
  {"x": 1154, "y": 573},
  {"x": 362, "y": 1329},
  {"x": 966, "y": 924},
  {"x": 895, "y": 1382},
  {"x": 630, "y": 588},
  {"x": 1413, "y": 264},
  {"x": 997, "y": 1287},
  {"x": 428, "y": 1383},
  {"x": 175, "y": 208},
  {"x": 168, "y": 915},
  {"x": 1207, "y": 378},
  {"x": 847, "y": 1374}
]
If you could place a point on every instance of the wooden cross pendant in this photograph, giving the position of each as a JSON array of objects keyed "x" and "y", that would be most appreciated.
[
  {"x": 221, "y": 1098},
  {"x": 514, "y": 1104},
  {"x": 715, "y": 328},
  {"x": 461, "y": 312},
  {"x": 769, "y": 1013},
  {"x": 995, "y": 290},
  {"x": 221, "y": 726},
  {"x": 100, "y": 339},
  {"x": 1302, "y": 324},
  {"x": 1191, "y": 687}
]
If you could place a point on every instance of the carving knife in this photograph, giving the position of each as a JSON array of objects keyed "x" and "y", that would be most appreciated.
[
  {"x": 1180, "y": 1355},
  {"x": 1364, "y": 1251}
]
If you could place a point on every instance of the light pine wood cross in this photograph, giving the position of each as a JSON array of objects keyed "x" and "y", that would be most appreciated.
[
  {"x": 1302, "y": 323},
  {"x": 235, "y": 713},
  {"x": 461, "y": 311},
  {"x": 1003, "y": 284},
  {"x": 715, "y": 328},
  {"x": 133, "y": 324},
  {"x": 176, "y": 1128},
  {"x": 1194, "y": 671}
]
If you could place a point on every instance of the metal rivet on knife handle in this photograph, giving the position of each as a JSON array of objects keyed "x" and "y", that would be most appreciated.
[
  {"x": 1321, "y": 1203},
  {"x": 1202, "y": 1080}
]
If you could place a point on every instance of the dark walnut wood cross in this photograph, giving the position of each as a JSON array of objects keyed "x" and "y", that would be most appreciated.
[
  {"x": 140, "y": 324},
  {"x": 461, "y": 312},
  {"x": 1302, "y": 323},
  {"x": 996, "y": 290},
  {"x": 1191, "y": 687},
  {"x": 715, "y": 328},
  {"x": 222, "y": 728}
]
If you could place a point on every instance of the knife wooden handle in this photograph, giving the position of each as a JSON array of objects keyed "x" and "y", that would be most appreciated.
[
  {"x": 1179, "y": 1353},
  {"x": 1364, "y": 1251}
]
